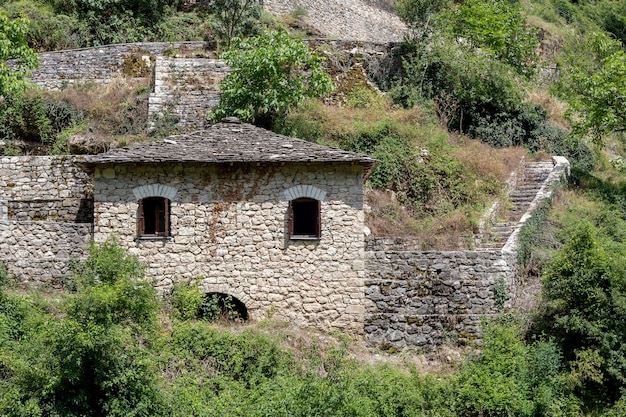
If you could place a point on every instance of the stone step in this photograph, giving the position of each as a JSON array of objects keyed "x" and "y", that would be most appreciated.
[{"x": 532, "y": 180}]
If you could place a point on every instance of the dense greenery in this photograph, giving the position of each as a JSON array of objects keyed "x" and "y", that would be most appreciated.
[
  {"x": 100, "y": 351},
  {"x": 584, "y": 308},
  {"x": 594, "y": 82},
  {"x": 13, "y": 45}
]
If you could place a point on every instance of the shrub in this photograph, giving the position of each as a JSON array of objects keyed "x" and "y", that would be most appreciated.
[
  {"x": 49, "y": 31},
  {"x": 421, "y": 178},
  {"x": 186, "y": 300},
  {"x": 585, "y": 289},
  {"x": 493, "y": 384},
  {"x": 93, "y": 359}
]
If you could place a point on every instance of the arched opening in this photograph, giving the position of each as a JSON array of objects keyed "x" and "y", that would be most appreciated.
[{"x": 220, "y": 306}]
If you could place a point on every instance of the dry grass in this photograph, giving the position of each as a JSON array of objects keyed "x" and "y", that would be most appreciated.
[
  {"x": 114, "y": 111},
  {"x": 337, "y": 120},
  {"x": 303, "y": 344},
  {"x": 449, "y": 226},
  {"x": 553, "y": 106},
  {"x": 486, "y": 162},
  {"x": 388, "y": 218}
]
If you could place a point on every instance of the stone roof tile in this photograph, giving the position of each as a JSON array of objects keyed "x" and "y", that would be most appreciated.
[{"x": 228, "y": 142}]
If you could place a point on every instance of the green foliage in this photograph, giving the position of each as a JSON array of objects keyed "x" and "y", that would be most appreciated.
[
  {"x": 460, "y": 79},
  {"x": 492, "y": 384},
  {"x": 271, "y": 75},
  {"x": 235, "y": 18},
  {"x": 182, "y": 26},
  {"x": 511, "y": 378},
  {"x": 528, "y": 234},
  {"x": 500, "y": 293},
  {"x": 585, "y": 288},
  {"x": 116, "y": 21},
  {"x": 247, "y": 357},
  {"x": 419, "y": 177},
  {"x": 186, "y": 300},
  {"x": 47, "y": 30},
  {"x": 593, "y": 82},
  {"x": 13, "y": 45},
  {"x": 499, "y": 28},
  {"x": 3, "y": 275},
  {"x": 92, "y": 360},
  {"x": 112, "y": 289},
  {"x": 32, "y": 115},
  {"x": 417, "y": 14}
]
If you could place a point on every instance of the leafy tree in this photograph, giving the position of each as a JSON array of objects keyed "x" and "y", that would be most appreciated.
[
  {"x": 419, "y": 14},
  {"x": 593, "y": 79},
  {"x": 497, "y": 27},
  {"x": 585, "y": 289},
  {"x": 13, "y": 45},
  {"x": 271, "y": 74},
  {"x": 235, "y": 18}
]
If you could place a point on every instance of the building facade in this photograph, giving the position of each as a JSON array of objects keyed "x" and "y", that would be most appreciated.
[{"x": 275, "y": 222}]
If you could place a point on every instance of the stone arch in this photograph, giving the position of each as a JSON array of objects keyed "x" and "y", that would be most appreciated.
[
  {"x": 155, "y": 190},
  {"x": 251, "y": 305},
  {"x": 305, "y": 191},
  {"x": 228, "y": 306}
]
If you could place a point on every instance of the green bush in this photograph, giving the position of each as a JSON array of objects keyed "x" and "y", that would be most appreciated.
[
  {"x": 186, "y": 300},
  {"x": 493, "y": 383},
  {"x": 49, "y": 31},
  {"x": 585, "y": 292},
  {"x": 272, "y": 74},
  {"x": 419, "y": 177},
  {"x": 93, "y": 359},
  {"x": 34, "y": 116}
]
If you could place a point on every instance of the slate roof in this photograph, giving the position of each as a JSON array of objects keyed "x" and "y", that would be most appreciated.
[{"x": 228, "y": 142}]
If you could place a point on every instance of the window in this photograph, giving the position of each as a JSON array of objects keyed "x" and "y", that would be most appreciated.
[
  {"x": 153, "y": 217},
  {"x": 304, "y": 219}
]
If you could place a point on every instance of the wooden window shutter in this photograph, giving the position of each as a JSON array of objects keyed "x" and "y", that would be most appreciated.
[
  {"x": 318, "y": 219},
  {"x": 290, "y": 220},
  {"x": 141, "y": 228},
  {"x": 166, "y": 230}
]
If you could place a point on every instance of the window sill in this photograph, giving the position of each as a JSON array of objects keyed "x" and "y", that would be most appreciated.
[
  {"x": 295, "y": 237},
  {"x": 152, "y": 237}
]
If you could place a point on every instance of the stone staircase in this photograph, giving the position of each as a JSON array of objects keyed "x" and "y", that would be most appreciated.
[{"x": 503, "y": 219}]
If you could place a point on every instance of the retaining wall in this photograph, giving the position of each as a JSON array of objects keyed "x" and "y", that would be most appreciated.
[
  {"x": 185, "y": 89},
  {"x": 100, "y": 64},
  {"x": 424, "y": 299},
  {"x": 46, "y": 217}
]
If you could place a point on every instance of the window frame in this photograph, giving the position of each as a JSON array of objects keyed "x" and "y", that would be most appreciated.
[
  {"x": 141, "y": 218},
  {"x": 294, "y": 218}
]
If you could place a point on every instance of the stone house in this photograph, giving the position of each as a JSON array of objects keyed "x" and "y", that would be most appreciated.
[{"x": 275, "y": 222}]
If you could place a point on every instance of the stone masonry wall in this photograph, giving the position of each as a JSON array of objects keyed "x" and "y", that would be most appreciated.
[
  {"x": 45, "y": 216},
  {"x": 424, "y": 299},
  {"x": 186, "y": 89},
  {"x": 228, "y": 234},
  {"x": 101, "y": 64}
]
